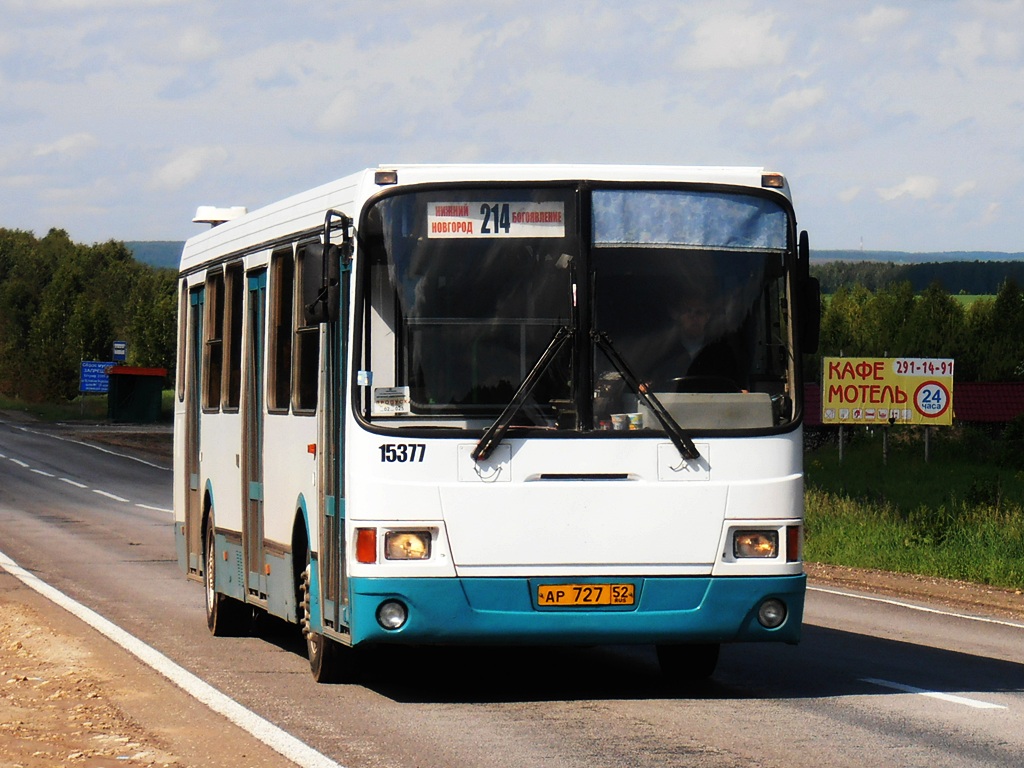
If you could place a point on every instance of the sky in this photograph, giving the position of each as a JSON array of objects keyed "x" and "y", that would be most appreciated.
[{"x": 900, "y": 126}]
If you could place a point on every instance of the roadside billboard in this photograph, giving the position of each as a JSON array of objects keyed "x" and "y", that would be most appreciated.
[
  {"x": 874, "y": 390},
  {"x": 94, "y": 377}
]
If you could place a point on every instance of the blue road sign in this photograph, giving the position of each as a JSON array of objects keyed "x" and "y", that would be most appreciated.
[{"x": 94, "y": 376}]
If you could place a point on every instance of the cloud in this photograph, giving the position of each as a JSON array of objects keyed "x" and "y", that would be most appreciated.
[
  {"x": 788, "y": 104},
  {"x": 983, "y": 41},
  {"x": 991, "y": 214},
  {"x": 965, "y": 188},
  {"x": 188, "y": 166},
  {"x": 37, "y": 6},
  {"x": 917, "y": 187},
  {"x": 880, "y": 19},
  {"x": 734, "y": 41},
  {"x": 849, "y": 194},
  {"x": 72, "y": 145},
  {"x": 197, "y": 44}
]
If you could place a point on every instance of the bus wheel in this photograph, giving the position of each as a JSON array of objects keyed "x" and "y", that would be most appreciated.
[
  {"x": 688, "y": 663},
  {"x": 330, "y": 662},
  {"x": 225, "y": 616}
]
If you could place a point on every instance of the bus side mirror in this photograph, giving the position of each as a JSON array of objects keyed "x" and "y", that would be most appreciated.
[
  {"x": 321, "y": 280},
  {"x": 809, "y": 291}
]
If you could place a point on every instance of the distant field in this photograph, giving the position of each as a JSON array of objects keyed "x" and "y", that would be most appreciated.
[
  {"x": 964, "y": 299},
  {"x": 967, "y": 299}
]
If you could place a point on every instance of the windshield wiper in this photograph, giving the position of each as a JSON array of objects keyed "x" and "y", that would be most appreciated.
[
  {"x": 497, "y": 430},
  {"x": 675, "y": 433}
]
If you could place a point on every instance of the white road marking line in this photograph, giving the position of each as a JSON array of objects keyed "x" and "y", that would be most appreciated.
[
  {"x": 155, "y": 509},
  {"x": 94, "y": 447},
  {"x": 94, "y": 490},
  {"x": 88, "y": 444},
  {"x": 922, "y": 608},
  {"x": 276, "y": 738},
  {"x": 110, "y": 495},
  {"x": 932, "y": 694}
]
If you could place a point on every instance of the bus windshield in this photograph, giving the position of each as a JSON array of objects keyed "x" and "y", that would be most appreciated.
[{"x": 464, "y": 290}]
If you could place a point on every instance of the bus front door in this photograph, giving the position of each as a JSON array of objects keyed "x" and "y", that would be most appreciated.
[
  {"x": 193, "y": 493},
  {"x": 331, "y": 546}
]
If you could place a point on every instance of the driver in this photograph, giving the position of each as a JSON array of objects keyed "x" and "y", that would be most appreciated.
[{"x": 698, "y": 347}]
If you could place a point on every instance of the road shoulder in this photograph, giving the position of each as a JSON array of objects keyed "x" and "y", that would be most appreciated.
[
  {"x": 68, "y": 695},
  {"x": 958, "y": 595}
]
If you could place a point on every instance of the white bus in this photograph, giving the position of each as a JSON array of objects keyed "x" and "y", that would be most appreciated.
[{"x": 492, "y": 404}]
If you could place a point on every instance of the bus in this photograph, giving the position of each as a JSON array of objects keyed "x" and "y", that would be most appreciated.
[{"x": 546, "y": 405}]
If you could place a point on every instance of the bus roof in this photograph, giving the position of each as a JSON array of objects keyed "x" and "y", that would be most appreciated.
[{"x": 304, "y": 212}]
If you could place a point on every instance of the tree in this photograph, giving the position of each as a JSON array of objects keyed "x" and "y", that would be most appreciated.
[
  {"x": 935, "y": 326},
  {"x": 153, "y": 325},
  {"x": 61, "y": 303},
  {"x": 996, "y": 335},
  {"x": 888, "y": 313}
]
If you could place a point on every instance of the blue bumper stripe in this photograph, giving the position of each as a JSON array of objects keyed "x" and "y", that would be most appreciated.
[{"x": 504, "y": 610}]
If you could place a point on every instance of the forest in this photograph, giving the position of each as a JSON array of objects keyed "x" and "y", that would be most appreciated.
[
  {"x": 62, "y": 303},
  {"x": 984, "y": 337},
  {"x": 971, "y": 277},
  {"x": 970, "y": 311}
]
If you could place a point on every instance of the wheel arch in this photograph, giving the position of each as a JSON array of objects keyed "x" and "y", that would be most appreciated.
[
  {"x": 207, "y": 516},
  {"x": 301, "y": 546}
]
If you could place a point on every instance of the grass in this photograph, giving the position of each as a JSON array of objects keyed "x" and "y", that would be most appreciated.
[
  {"x": 967, "y": 299},
  {"x": 88, "y": 408},
  {"x": 958, "y": 516},
  {"x": 82, "y": 408}
]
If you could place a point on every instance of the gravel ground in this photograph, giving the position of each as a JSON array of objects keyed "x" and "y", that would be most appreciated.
[{"x": 70, "y": 697}]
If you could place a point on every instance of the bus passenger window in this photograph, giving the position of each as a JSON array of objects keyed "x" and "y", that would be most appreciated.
[
  {"x": 282, "y": 316},
  {"x": 179, "y": 372},
  {"x": 213, "y": 351},
  {"x": 306, "y": 368},
  {"x": 235, "y": 293}
]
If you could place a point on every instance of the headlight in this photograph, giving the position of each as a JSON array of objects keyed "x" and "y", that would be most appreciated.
[
  {"x": 755, "y": 544},
  {"x": 407, "y": 545}
]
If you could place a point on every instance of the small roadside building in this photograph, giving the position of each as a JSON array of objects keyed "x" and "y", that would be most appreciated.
[{"x": 134, "y": 394}]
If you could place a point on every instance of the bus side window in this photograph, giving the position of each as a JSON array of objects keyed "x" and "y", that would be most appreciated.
[
  {"x": 306, "y": 360},
  {"x": 179, "y": 373},
  {"x": 282, "y": 321},
  {"x": 234, "y": 296},
  {"x": 213, "y": 347}
]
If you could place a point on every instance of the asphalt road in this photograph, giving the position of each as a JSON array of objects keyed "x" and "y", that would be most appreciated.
[{"x": 874, "y": 683}]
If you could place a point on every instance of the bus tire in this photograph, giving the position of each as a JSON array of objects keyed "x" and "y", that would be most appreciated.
[
  {"x": 688, "y": 663},
  {"x": 225, "y": 616},
  {"x": 329, "y": 661}
]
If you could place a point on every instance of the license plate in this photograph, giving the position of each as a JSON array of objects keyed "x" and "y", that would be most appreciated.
[{"x": 584, "y": 594}]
